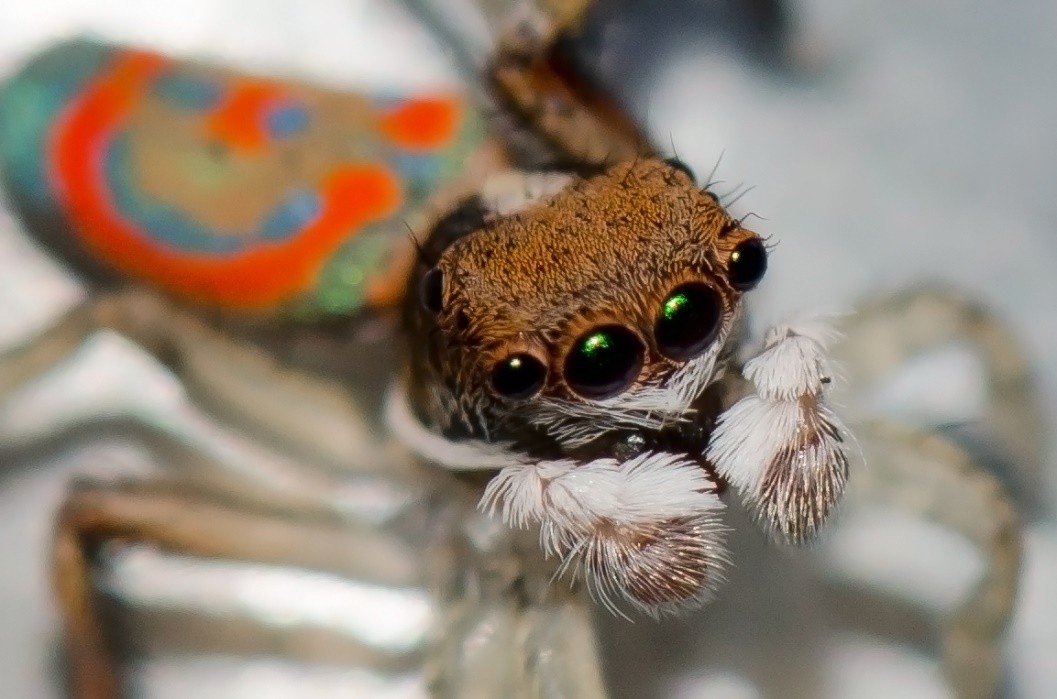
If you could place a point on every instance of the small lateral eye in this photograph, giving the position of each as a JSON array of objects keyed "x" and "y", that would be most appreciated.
[
  {"x": 689, "y": 321},
  {"x": 604, "y": 361},
  {"x": 747, "y": 265},
  {"x": 431, "y": 290},
  {"x": 677, "y": 164},
  {"x": 519, "y": 376}
]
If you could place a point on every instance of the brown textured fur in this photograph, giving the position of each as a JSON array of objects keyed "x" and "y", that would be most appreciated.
[{"x": 607, "y": 249}]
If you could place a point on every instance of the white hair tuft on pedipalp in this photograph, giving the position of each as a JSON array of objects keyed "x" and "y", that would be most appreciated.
[
  {"x": 657, "y": 567},
  {"x": 645, "y": 532},
  {"x": 651, "y": 485},
  {"x": 793, "y": 361},
  {"x": 748, "y": 436},
  {"x": 519, "y": 493},
  {"x": 819, "y": 328}
]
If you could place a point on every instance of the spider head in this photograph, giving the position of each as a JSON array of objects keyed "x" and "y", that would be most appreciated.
[{"x": 588, "y": 303}]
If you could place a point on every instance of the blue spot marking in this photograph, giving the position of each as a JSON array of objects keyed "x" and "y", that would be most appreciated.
[
  {"x": 187, "y": 92},
  {"x": 166, "y": 224},
  {"x": 286, "y": 119},
  {"x": 420, "y": 172},
  {"x": 292, "y": 215}
]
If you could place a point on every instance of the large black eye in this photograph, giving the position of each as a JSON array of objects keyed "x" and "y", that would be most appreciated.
[
  {"x": 604, "y": 361},
  {"x": 431, "y": 290},
  {"x": 747, "y": 264},
  {"x": 689, "y": 321},
  {"x": 519, "y": 376}
]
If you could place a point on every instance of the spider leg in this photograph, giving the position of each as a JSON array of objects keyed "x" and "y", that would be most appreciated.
[
  {"x": 561, "y": 651},
  {"x": 884, "y": 334},
  {"x": 930, "y": 477},
  {"x": 236, "y": 382},
  {"x": 35, "y": 356},
  {"x": 492, "y": 583},
  {"x": 953, "y": 478},
  {"x": 541, "y": 95},
  {"x": 509, "y": 631},
  {"x": 188, "y": 520}
]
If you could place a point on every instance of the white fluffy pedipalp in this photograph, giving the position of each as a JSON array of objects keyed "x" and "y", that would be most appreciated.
[
  {"x": 783, "y": 449},
  {"x": 649, "y": 486},
  {"x": 747, "y": 438},
  {"x": 657, "y": 568},
  {"x": 645, "y": 531},
  {"x": 793, "y": 361}
]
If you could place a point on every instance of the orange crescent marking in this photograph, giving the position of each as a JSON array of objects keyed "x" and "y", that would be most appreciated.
[
  {"x": 254, "y": 279},
  {"x": 422, "y": 124},
  {"x": 237, "y": 120}
]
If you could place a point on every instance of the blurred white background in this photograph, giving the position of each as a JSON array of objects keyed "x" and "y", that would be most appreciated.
[{"x": 924, "y": 147}]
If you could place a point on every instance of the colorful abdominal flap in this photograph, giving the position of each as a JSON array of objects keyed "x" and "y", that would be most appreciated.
[{"x": 232, "y": 191}]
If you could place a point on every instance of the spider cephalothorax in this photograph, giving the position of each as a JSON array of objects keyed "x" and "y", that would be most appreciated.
[
  {"x": 579, "y": 335},
  {"x": 606, "y": 304}
]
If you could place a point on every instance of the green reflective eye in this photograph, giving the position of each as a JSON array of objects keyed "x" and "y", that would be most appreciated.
[
  {"x": 689, "y": 321},
  {"x": 676, "y": 304},
  {"x": 604, "y": 361}
]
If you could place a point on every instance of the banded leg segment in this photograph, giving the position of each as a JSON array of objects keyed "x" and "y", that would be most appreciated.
[
  {"x": 504, "y": 648},
  {"x": 929, "y": 477},
  {"x": 234, "y": 380},
  {"x": 509, "y": 630},
  {"x": 538, "y": 87},
  {"x": 37, "y": 355},
  {"x": 885, "y": 334},
  {"x": 549, "y": 111},
  {"x": 196, "y": 523}
]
